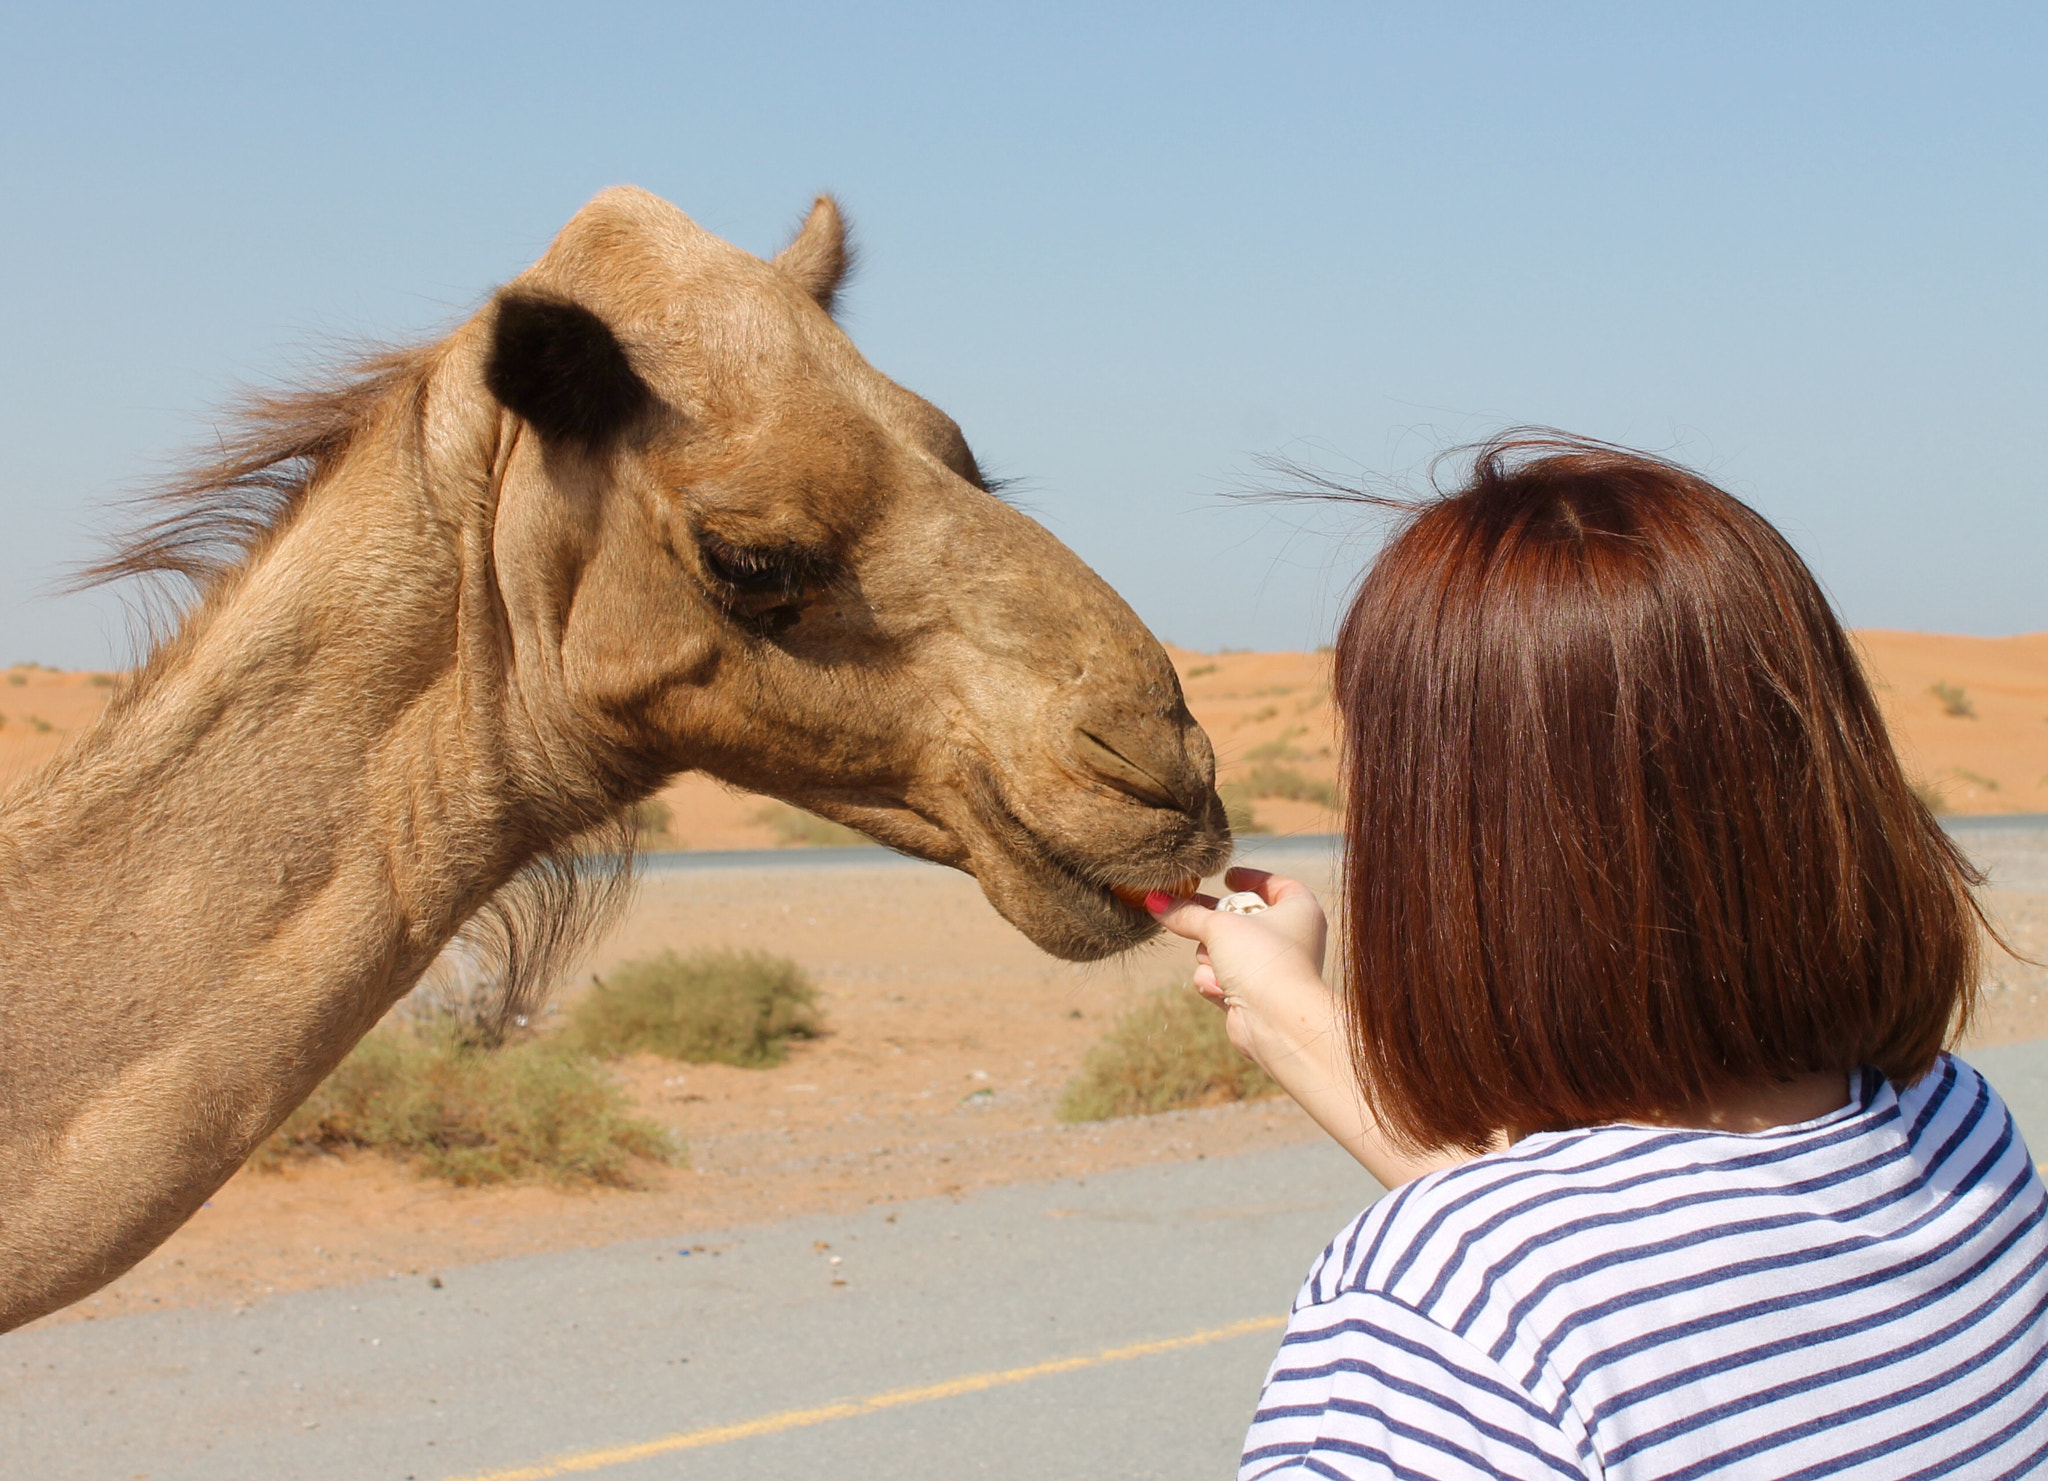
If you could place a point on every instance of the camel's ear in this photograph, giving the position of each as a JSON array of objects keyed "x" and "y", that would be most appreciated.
[
  {"x": 560, "y": 367},
  {"x": 819, "y": 257}
]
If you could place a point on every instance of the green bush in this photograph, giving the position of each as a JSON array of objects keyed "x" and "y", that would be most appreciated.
[
  {"x": 534, "y": 1109},
  {"x": 731, "y": 1007},
  {"x": 1954, "y": 700},
  {"x": 1238, "y": 811},
  {"x": 795, "y": 828},
  {"x": 654, "y": 823},
  {"x": 1169, "y": 1052},
  {"x": 1267, "y": 780},
  {"x": 1282, "y": 748}
]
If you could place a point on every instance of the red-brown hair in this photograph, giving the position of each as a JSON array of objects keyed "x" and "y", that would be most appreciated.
[{"x": 1624, "y": 826}]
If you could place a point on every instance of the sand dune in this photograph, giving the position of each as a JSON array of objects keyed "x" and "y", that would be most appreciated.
[{"x": 1970, "y": 716}]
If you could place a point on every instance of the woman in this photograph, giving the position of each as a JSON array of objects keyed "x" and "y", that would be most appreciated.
[{"x": 1650, "y": 954}]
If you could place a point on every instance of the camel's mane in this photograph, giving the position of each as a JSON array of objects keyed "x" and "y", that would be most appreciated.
[
  {"x": 270, "y": 448},
  {"x": 209, "y": 521}
]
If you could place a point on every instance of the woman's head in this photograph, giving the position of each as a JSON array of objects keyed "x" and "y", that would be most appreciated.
[{"x": 1625, "y": 829}]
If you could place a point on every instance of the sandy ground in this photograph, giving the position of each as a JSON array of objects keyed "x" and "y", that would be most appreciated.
[
  {"x": 1991, "y": 758},
  {"x": 950, "y": 1037}
]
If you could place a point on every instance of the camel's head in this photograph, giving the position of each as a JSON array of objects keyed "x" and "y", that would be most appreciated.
[{"x": 729, "y": 543}]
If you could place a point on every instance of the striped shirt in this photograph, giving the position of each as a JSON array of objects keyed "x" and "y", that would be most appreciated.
[{"x": 1860, "y": 1296}]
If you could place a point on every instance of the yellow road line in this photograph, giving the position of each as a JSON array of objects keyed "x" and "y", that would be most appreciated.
[{"x": 796, "y": 1419}]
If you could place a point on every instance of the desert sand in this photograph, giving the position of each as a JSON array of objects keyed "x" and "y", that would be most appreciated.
[
  {"x": 948, "y": 1040},
  {"x": 1969, "y": 716},
  {"x": 949, "y": 1037}
]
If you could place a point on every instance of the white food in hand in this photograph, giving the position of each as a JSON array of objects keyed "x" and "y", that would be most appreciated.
[{"x": 1244, "y": 902}]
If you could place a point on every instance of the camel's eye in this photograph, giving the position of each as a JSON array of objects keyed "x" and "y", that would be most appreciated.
[{"x": 762, "y": 586}]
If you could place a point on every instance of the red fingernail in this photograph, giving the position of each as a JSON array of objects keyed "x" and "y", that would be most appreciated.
[{"x": 1158, "y": 901}]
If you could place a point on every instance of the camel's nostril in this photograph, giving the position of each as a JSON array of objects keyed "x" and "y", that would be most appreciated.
[{"x": 1124, "y": 774}]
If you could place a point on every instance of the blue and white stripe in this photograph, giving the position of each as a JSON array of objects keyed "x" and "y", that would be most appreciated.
[{"x": 1862, "y": 1296}]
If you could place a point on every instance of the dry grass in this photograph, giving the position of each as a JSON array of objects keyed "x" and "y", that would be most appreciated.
[
  {"x": 654, "y": 824},
  {"x": 1281, "y": 748},
  {"x": 1270, "y": 780},
  {"x": 1931, "y": 798},
  {"x": 729, "y": 1007},
  {"x": 1954, "y": 700},
  {"x": 534, "y": 1109},
  {"x": 795, "y": 828},
  {"x": 1169, "y": 1052},
  {"x": 1238, "y": 812}
]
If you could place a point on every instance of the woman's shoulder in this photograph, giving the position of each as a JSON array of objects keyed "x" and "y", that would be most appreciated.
[{"x": 1566, "y": 1199}]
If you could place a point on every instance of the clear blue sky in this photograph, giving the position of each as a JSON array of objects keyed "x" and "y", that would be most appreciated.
[{"x": 1131, "y": 248}]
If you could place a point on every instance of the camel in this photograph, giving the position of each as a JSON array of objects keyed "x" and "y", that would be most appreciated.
[{"x": 647, "y": 511}]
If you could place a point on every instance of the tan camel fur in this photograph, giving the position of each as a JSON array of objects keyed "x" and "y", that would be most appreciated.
[{"x": 647, "y": 511}]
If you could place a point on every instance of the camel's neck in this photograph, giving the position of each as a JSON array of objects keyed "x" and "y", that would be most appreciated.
[
  {"x": 298, "y": 759},
  {"x": 226, "y": 882}
]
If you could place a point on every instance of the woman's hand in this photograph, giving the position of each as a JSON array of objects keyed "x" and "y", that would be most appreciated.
[{"x": 1265, "y": 972}]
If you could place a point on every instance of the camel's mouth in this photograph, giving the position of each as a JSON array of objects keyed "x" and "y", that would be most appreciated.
[
  {"x": 1071, "y": 905},
  {"x": 1135, "y": 896},
  {"x": 1076, "y": 909}
]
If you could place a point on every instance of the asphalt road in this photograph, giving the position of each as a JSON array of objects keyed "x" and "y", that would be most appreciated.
[
  {"x": 511, "y": 1363},
  {"x": 1113, "y": 1328}
]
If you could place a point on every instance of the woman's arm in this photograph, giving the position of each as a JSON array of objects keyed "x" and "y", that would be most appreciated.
[{"x": 1265, "y": 972}]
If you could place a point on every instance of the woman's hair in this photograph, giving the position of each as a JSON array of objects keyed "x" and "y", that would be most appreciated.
[{"x": 1624, "y": 826}]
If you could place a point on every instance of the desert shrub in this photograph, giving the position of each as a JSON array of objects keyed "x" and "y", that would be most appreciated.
[
  {"x": 1269, "y": 780},
  {"x": 1238, "y": 811},
  {"x": 1954, "y": 699},
  {"x": 654, "y": 823},
  {"x": 534, "y": 1109},
  {"x": 1280, "y": 749},
  {"x": 1930, "y": 798},
  {"x": 462, "y": 994},
  {"x": 731, "y": 1007},
  {"x": 101, "y": 681},
  {"x": 795, "y": 828},
  {"x": 1202, "y": 670},
  {"x": 1168, "y": 1052}
]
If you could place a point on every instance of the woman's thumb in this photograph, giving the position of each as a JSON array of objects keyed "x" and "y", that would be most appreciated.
[{"x": 1187, "y": 915}]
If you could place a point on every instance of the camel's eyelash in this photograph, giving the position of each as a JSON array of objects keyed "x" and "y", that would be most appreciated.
[{"x": 763, "y": 570}]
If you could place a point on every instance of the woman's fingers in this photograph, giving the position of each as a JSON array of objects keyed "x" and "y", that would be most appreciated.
[
  {"x": 1272, "y": 888},
  {"x": 1240, "y": 877},
  {"x": 1188, "y": 916}
]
